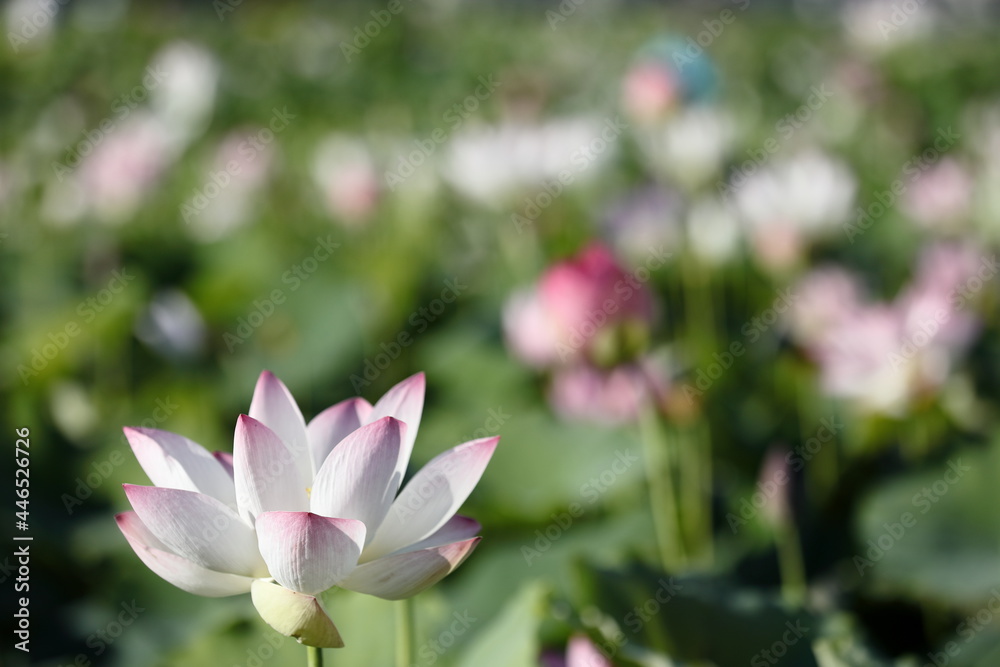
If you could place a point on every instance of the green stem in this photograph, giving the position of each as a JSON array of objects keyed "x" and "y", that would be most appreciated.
[
  {"x": 314, "y": 656},
  {"x": 662, "y": 496},
  {"x": 406, "y": 631},
  {"x": 790, "y": 562}
]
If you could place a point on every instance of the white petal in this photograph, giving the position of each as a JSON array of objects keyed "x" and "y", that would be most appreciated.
[
  {"x": 199, "y": 528},
  {"x": 406, "y": 574},
  {"x": 432, "y": 497},
  {"x": 274, "y": 406},
  {"x": 358, "y": 479},
  {"x": 173, "y": 461},
  {"x": 405, "y": 402},
  {"x": 333, "y": 425},
  {"x": 457, "y": 529},
  {"x": 266, "y": 476},
  {"x": 308, "y": 553},
  {"x": 295, "y": 615},
  {"x": 179, "y": 571}
]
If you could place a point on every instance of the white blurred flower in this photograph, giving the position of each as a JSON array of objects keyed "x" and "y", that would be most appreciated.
[
  {"x": 172, "y": 325},
  {"x": 184, "y": 100},
  {"x": 713, "y": 230},
  {"x": 692, "y": 146},
  {"x": 795, "y": 200},
  {"x": 493, "y": 164},
  {"x": 880, "y": 25}
]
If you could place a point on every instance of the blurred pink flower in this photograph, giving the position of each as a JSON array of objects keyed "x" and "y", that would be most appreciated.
[
  {"x": 883, "y": 355},
  {"x": 615, "y": 396},
  {"x": 650, "y": 90},
  {"x": 826, "y": 296},
  {"x": 941, "y": 196},
  {"x": 308, "y": 506},
  {"x": 586, "y": 306},
  {"x": 345, "y": 172}
]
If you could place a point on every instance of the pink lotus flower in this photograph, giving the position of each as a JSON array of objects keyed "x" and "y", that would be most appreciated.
[
  {"x": 587, "y": 306},
  {"x": 580, "y": 652},
  {"x": 883, "y": 355},
  {"x": 308, "y": 506}
]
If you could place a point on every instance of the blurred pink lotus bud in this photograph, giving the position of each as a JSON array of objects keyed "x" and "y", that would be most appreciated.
[
  {"x": 826, "y": 297},
  {"x": 586, "y": 306},
  {"x": 941, "y": 196},
  {"x": 581, "y": 652},
  {"x": 650, "y": 90},
  {"x": 345, "y": 172}
]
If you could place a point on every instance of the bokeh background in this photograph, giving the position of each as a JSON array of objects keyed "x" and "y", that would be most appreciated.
[{"x": 806, "y": 197}]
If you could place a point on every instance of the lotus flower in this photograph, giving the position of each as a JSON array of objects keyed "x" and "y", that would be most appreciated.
[
  {"x": 585, "y": 306},
  {"x": 299, "y": 508},
  {"x": 580, "y": 652}
]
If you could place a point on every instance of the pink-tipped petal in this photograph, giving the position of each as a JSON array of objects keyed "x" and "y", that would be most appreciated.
[
  {"x": 432, "y": 497},
  {"x": 333, "y": 425},
  {"x": 274, "y": 406},
  {"x": 197, "y": 527},
  {"x": 308, "y": 553},
  {"x": 175, "y": 462},
  {"x": 267, "y": 478},
  {"x": 405, "y": 402},
  {"x": 456, "y": 529},
  {"x": 406, "y": 574},
  {"x": 178, "y": 571},
  {"x": 359, "y": 479},
  {"x": 582, "y": 653}
]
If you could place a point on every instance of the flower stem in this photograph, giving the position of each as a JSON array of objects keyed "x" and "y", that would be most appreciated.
[
  {"x": 406, "y": 632},
  {"x": 314, "y": 656},
  {"x": 790, "y": 563},
  {"x": 662, "y": 496}
]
